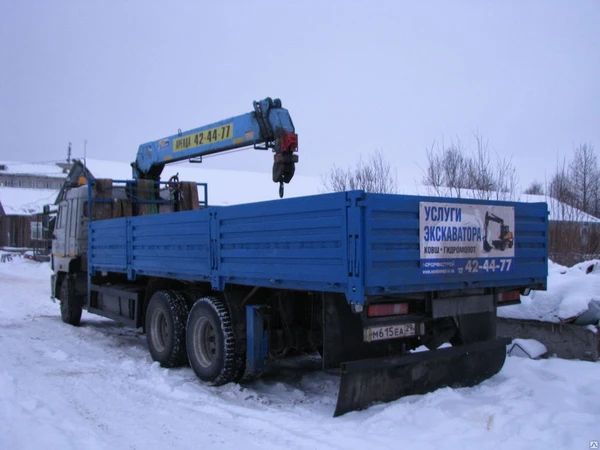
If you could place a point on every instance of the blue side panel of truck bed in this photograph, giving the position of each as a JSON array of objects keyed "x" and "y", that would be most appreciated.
[
  {"x": 168, "y": 245},
  {"x": 350, "y": 242},
  {"x": 298, "y": 243},
  {"x": 109, "y": 251}
]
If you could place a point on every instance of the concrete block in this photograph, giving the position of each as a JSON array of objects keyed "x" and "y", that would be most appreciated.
[{"x": 565, "y": 340}]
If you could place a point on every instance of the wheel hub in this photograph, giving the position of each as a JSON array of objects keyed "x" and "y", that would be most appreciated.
[
  {"x": 162, "y": 330},
  {"x": 206, "y": 342}
]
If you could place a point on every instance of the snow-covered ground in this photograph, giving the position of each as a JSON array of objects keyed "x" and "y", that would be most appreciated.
[{"x": 96, "y": 387}]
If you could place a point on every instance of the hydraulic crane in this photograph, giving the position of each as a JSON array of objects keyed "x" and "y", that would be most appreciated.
[{"x": 269, "y": 126}]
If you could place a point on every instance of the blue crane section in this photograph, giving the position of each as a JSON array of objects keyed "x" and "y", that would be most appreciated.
[{"x": 269, "y": 126}]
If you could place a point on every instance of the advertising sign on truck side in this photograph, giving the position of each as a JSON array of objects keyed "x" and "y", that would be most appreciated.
[{"x": 463, "y": 239}]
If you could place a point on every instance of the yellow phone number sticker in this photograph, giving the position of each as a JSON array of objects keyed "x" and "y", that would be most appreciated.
[{"x": 203, "y": 138}]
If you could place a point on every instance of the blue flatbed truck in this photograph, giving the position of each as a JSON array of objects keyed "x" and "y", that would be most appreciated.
[{"x": 361, "y": 278}]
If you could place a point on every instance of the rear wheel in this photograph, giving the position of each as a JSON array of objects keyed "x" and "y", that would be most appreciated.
[
  {"x": 211, "y": 342},
  {"x": 166, "y": 317},
  {"x": 70, "y": 307}
]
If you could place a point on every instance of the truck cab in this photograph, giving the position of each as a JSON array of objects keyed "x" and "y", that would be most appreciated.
[{"x": 69, "y": 240}]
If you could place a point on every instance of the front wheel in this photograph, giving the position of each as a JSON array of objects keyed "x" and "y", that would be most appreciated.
[
  {"x": 211, "y": 342},
  {"x": 70, "y": 307}
]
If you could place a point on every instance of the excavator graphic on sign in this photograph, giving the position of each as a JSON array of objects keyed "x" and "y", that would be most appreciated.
[{"x": 505, "y": 239}]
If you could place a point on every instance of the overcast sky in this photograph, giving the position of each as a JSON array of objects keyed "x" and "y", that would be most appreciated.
[{"x": 356, "y": 76}]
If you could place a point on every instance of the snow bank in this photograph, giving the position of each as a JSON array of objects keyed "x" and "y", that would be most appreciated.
[
  {"x": 24, "y": 268},
  {"x": 570, "y": 291}
]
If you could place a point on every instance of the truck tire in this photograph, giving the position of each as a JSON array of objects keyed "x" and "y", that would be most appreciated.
[
  {"x": 70, "y": 307},
  {"x": 166, "y": 317},
  {"x": 475, "y": 328},
  {"x": 211, "y": 342}
]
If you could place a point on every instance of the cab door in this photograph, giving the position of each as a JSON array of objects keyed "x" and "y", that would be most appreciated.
[
  {"x": 59, "y": 237},
  {"x": 71, "y": 228}
]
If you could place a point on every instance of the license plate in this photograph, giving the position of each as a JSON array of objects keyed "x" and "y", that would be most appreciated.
[{"x": 389, "y": 332}]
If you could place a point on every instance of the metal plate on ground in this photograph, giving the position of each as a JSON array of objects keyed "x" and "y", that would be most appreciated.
[
  {"x": 389, "y": 332},
  {"x": 369, "y": 381}
]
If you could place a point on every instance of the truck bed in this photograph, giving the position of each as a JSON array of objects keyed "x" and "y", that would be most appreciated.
[{"x": 356, "y": 243}]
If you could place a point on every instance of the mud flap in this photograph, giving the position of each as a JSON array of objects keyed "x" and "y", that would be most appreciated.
[{"x": 369, "y": 381}]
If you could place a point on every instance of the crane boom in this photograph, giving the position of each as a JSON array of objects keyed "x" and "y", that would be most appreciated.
[{"x": 268, "y": 126}]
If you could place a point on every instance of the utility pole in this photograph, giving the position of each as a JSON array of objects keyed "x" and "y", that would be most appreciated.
[{"x": 69, "y": 154}]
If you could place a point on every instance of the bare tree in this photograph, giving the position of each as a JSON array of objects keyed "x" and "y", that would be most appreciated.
[
  {"x": 451, "y": 170},
  {"x": 583, "y": 174},
  {"x": 448, "y": 169},
  {"x": 480, "y": 176},
  {"x": 506, "y": 180},
  {"x": 535, "y": 188},
  {"x": 455, "y": 168},
  {"x": 374, "y": 175},
  {"x": 560, "y": 187},
  {"x": 434, "y": 176}
]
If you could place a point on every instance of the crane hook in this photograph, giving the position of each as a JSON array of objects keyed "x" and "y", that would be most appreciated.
[{"x": 281, "y": 189}]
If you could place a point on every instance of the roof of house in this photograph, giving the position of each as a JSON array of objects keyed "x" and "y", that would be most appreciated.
[
  {"x": 560, "y": 211},
  {"x": 25, "y": 201},
  {"x": 50, "y": 169}
]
